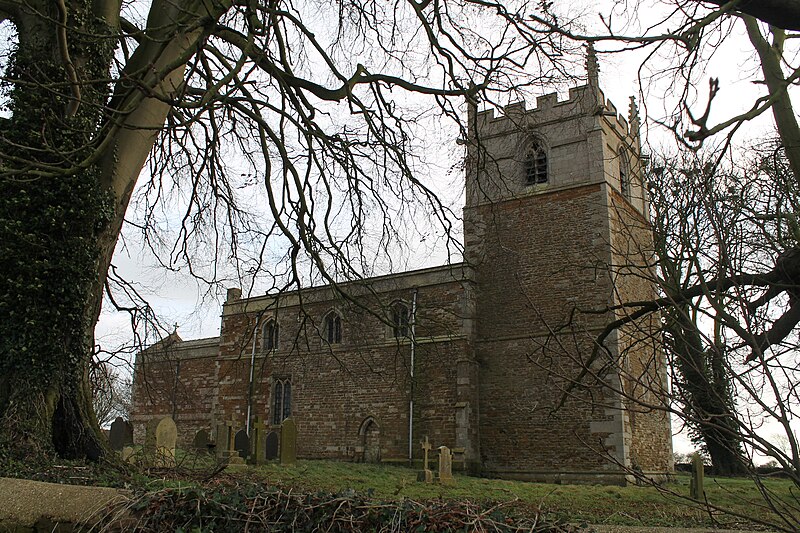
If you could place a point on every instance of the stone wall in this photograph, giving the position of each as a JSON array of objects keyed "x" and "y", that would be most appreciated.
[
  {"x": 642, "y": 365},
  {"x": 179, "y": 379}
]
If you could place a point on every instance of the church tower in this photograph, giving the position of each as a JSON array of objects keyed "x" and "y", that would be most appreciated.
[{"x": 557, "y": 231}]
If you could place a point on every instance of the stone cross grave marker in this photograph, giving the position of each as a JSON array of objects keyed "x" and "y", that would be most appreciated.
[
  {"x": 241, "y": 443},
  {"x": 258, "y": 442},
  {"x": 426, "y": 475},
  {"x": 271, "y": 446},
  {"x": 445, "y": 466},
  {"x": 226, "y": 443},
  {"x": 288, "y": 442},
  {"x": 696, "y": 488},
  {"x": 200, "y": 441},
  {"x": 166, "y": 437},
  {"x": 121, "y": 434}
]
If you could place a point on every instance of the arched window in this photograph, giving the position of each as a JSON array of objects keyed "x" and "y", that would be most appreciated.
[
  {"x": 535, "y": 161},
  {"x": 281, "y": 400},
  {"x": 400, "y": 320},
  {"x": 624, "y": 173},
  {"x": 333, "y": 328},
  {"x": 271, "y": 336}
]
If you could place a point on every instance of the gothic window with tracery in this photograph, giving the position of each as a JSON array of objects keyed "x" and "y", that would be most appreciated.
[
  {"x": 271, "y": 330},
  {"x": 536, "y": 163},
  {"x": 400, "y": 320},
  {"x": 624, "y": 173},
  {"x": 281, "y": 400},
  {"x": 333, "y": 328}
]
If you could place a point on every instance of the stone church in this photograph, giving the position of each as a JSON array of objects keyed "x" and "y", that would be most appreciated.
[{"x": 492, "y": 357}]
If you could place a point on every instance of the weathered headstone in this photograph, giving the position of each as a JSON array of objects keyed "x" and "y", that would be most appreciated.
[
  {"x": 426, "y": 475},
  {"x": 166, "y": 437},
  {"x": 128, "y": 455},
  {"x": 149, "y": 448},
  {"x": 222, "y": 441},
  {"x": 200, "y": 441},
  {"x": 121, "y": 434},
  {"x": 258, "y": 441},
  {"x": 445, "y": 465},
  {"x": 696, "y": 485},
  {"x": 241, "y": 443},
  {"x": 271, "y": 445},
  {"x": 226, "y": 443},
  {"x": 288, "y": 442}
]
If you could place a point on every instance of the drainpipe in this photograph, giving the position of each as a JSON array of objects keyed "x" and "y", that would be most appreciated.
[
  {"x": 250, "y": 385},
  {"x": 411, "y": 399},
  {"x": 175, "y": 388}
]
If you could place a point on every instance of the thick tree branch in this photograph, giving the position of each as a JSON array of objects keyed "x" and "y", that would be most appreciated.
[
  {"x": 361, "y": 75},
  {"x": 780, "y": 13}
]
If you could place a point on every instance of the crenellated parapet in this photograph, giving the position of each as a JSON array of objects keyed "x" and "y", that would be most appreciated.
[{"x": 582, "y": 101}]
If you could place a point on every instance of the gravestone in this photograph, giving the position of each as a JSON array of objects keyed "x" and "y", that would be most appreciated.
[
  {"x": 241, "y": 443},
  {"x": 222, "y": 441},
  {"x": 258, "y": 441},
  {"x": 226, "y": 443},
  {"x": 121, "y": 434},
  {"x": 271, "y": 446},
  {"x": 200, "y": 441},
  {"x": 166, "y": 436},
  {"x": 288, "y": 449},
  {"x": 426, "y": 475},
  {"x": 696, "y": 485},
  {"x": 149, "y": 448},
  {"x": 445, "y": 466},
  {"x": 128, "y": 454}
]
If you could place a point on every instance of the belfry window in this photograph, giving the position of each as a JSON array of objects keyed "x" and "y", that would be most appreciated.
[
  {"x": 535, "y": 162},
  {"x": 400, "y": 320},
  {"x": 624, "y": 173},
  {"x": 281, "y": 400},
  {"x": 333, "y": 328},
  {"x": 271, "y": 331}
]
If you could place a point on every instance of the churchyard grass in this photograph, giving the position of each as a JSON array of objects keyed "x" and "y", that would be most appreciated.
[{"x": 596, "y": 504}]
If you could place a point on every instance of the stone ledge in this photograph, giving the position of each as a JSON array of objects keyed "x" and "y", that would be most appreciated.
[{"x": 26, "y": 505}]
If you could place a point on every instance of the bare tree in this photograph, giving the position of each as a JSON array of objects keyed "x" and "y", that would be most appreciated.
[
  {"x": 111, "y": 392},
  {"x": 311, "y": 105}
]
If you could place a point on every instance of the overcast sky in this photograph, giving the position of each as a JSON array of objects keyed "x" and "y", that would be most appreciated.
[{"x": 179, "y": 298}]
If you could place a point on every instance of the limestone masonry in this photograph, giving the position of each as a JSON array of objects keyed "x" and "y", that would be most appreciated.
[{"x": 479, "y": 356}]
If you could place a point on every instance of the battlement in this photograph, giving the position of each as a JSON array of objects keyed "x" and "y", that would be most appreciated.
[{"x": 583, "y": 101}]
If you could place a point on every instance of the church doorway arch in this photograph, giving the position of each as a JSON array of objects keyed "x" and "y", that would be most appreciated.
[{"x": 370, "y": 440}]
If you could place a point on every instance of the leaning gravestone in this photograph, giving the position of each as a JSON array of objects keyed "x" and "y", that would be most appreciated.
[
  {"x": 121, "y": 434},
  {"x": 696, "y": 488},
  {"x": 445, "y": 465},
  {"x": 166, "y": 437},
  {"x": 200, "y": 441},
  {"x": 241, "y": 443},
  {"x": 288, "y": 442},
  {"x": 271, "y": 446}
]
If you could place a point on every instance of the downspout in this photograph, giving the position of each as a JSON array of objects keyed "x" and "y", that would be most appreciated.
[
  {"x": 175, "y": 388},
  {"x": 250, "y": 384},
  {"x": 411, "y": 373}
]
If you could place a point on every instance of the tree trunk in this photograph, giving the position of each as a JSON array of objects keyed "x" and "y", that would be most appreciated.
[
  {"x": 53, "y": 215},
  {"x": 705, "y": 391},
  {"x": 71, "y": 154}
]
